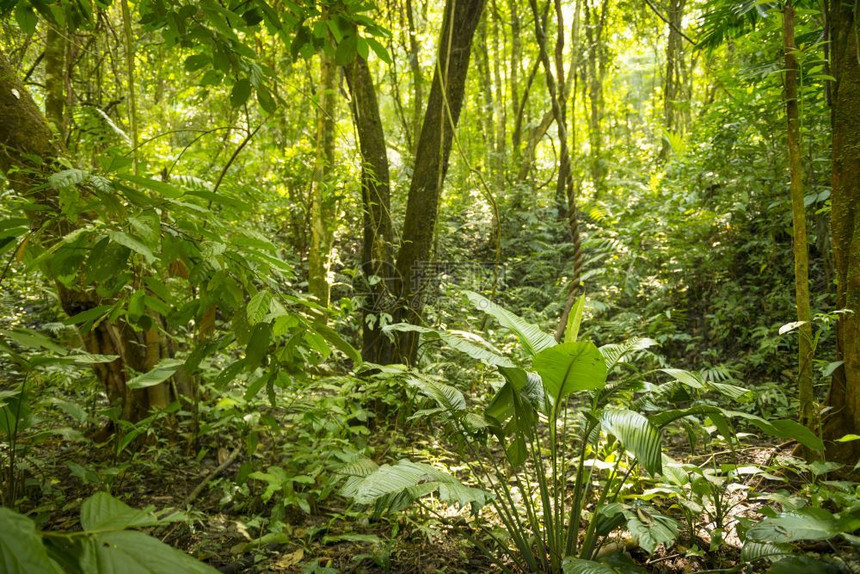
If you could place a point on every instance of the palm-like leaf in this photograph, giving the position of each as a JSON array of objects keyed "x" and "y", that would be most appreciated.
[
  {"x": 638, "y": 436},
  {"x": 618, "y": 352},
  {"x": 532, "y": 337}
]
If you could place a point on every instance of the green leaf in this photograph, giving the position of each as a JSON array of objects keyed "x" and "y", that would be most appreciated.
[
  {"x": 346, "y": 50},
  {"x": 801, "y": 524},
  {"x": 132, "y": 243},
  {"x": 570, "y": 367},
  {"x": 686, "y": 377},
  {"x": 804, "y": 565},
  {"x": 379, "y": 49},
  {"x": 533, "y": 339},
  {"x": 617, "y": 352},
  {"x": 579, "y": 566},
  {"x": 21, "y": 548},
  {"x": 25, "y": 17},
  {"x": 651, "y": 529},
  {"x": 638, "y": 436},
  {"x": 574, "y": 319},
  {"x": 338, "y": 342},
  {"x": 784, "y": 428},
  {"x": 258, "y": 307},
  {"x": 483, "y": 352},
  {"x": 130, "y": 551},
  {"x": 258, "y": 345},
  {"x": 240, "y": 93},
  {"x": 447, "y": 397},
  {"x": 162, "y": 371},
  {"x": 753, "y": 551},
  {"x": 102, "y": 511}
]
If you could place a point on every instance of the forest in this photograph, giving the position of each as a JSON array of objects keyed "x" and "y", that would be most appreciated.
[{"x": 504, "y": 286}]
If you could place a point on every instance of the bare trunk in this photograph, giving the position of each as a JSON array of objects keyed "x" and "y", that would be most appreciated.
[
  {"x": 318, "y": 255},
  {"x": 798, "y": 210},
  {"x": 431, "y": 162},
  {"x": 565, "y": 175},
  {"x": 376, "y": 260},
  {"x": 844, "y": 398}
]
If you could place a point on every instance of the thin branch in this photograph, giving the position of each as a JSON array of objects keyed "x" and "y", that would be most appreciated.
[{"x": 671, "y": 25}]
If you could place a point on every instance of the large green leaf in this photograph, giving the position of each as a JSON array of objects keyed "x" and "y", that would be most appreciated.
[
  {"x": 482, "y": 352},
  {"x": 448, "y": 398},
  {"x": 102, "y": 511},
  {"x": 533, "y": 339},
  {"x": 573, "y": 565},
  {"x": 574, "y": 319},
  {"x": 801, "y": 524},
  {"x": 21, "y": 548},
  {"x": 638, "y": 436},
  {"x": 753, "y": 551},
  {"x": 130, "y": 552},
  {"x": 162, "y": 371},
  {"x": 805, "y": 565},
  {"x": 783, "y": 428},
  {"x": 651, "y": 529},
  {"x": 570, "y": 367},
  {"x": 413, "y": 480},
  {"x": 617, "y": 352}
]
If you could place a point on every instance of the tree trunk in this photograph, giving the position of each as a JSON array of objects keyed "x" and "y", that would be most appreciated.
[
  {"x": 565, "y": 173},
  {"x": 431, "y": 162},
  {"x": 417, "y": 79},
  {"x": 24, "y": 136},
  {"x": 55, "y": 79},
  {"x": 376, "y": 262},
  {"x": 672, "y": 80},
  {"x": 318, "y": 255},
  {"x": 844, "y": 398},
  {"x": 807, "y": 410},
  {"x": 596, "y": 65}
]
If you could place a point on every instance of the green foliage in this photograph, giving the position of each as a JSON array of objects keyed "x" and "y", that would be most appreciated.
[{"x": 107, "y": 542}]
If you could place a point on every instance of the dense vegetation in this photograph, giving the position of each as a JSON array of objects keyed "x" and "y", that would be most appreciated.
[{"x": 467, "y": 286}]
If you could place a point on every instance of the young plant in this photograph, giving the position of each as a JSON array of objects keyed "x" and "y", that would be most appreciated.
[{"x": 556, "y": 424}]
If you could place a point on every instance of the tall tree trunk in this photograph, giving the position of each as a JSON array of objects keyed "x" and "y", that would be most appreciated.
[
  {"x": 499, "y": 115},
  {"x": 431, "y": 162},
  {"x": 594, "y": 26},
  {"x": 318, "y": 255},
  {"x": 565, "y": 173},
  {"x": 417, "y": 79},
  {"x": 376, "y": 260},
  {"x": 25, "y": 135},
  {"x": 798, "y": 210},
  {"x": 55, "y": 79},
  {"x": 844, "y": 398},
  {"x": 515, "y": 70},
  {"x": 673, "y": 84}
]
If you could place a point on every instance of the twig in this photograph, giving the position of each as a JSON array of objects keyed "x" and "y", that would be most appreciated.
[
  {"x": 671, "y": 25},
  {"x": 199, "y": 488},
  {"x": 221, "y": 468}
]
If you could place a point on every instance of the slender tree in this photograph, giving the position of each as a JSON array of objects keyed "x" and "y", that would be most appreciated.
[
  {"x": 320, "y": 218},
  {"x": 798, "y": 210}
]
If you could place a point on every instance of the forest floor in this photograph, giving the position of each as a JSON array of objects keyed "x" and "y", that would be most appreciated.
[{"x": 333, "y": 537}]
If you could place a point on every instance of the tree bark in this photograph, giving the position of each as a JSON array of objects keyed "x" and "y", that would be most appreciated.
[
  {"x": 844, "y": 398},
  {"x": 565, "y": 174},
  {"x": 376, "y": 262},
  {"x": 673, "y": 80},
  {"x": 807, "y": 411},
  {"x": 431, "y": 162},
  {"x": 318, "y": 254},
  {"x": 594, "y": 26}
]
